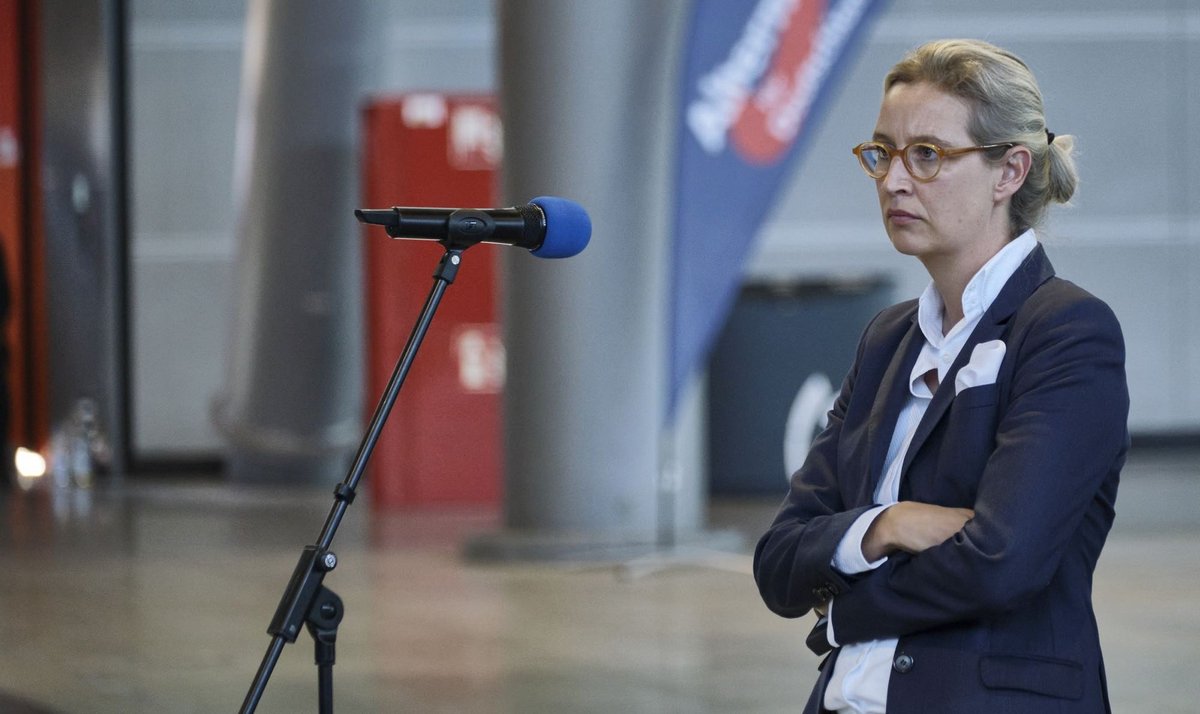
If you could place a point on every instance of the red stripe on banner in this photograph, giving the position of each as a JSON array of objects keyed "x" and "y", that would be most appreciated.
[{"x": 753, "y": 135}]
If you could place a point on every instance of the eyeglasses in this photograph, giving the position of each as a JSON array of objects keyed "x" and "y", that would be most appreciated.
[{"x": 922, "y": 159}]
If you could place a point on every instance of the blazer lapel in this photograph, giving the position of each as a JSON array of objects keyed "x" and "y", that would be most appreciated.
[
  {"x": 886, "y": 409},
  {"x": 1033, "y": 271}
]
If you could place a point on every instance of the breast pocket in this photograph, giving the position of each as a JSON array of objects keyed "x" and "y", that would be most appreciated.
[{"x": 975, "y": 397}]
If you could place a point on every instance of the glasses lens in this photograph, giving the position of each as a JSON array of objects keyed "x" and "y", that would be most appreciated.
[
  {"x": 874, "y": 158},
  {"x": 923, "y": 160}
]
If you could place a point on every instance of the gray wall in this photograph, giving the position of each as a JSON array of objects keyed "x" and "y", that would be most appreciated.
[{"x": 1124, "y": 80}]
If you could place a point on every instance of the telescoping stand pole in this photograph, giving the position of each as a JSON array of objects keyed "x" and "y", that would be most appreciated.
[{"x": 306, "y": 601}]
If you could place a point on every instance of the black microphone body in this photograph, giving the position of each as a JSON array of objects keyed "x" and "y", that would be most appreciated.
[{"x": 521, "y": 226}]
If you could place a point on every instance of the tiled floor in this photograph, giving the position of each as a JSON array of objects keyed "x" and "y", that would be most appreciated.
[{"x": 155, "y": 597}]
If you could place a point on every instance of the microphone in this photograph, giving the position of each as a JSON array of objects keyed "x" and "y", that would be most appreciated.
[{"x": 548, "y": 226}]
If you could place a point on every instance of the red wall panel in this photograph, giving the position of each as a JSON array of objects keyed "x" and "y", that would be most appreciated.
[
  {"x": 442, "y": 442},
  {"x": 19, "y": 220}
]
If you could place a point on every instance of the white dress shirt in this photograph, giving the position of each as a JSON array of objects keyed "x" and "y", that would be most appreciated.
[{"x": 859, "y": 682}]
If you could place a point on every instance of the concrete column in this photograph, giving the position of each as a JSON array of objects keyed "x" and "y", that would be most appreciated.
[
  {"x": 292, "y": 405},
  {"x": 587, "y": 91},
  {"x": 83, "y": 193}
]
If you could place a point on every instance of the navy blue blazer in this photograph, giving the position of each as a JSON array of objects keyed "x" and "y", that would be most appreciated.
[{"x": 999, "y": 617}]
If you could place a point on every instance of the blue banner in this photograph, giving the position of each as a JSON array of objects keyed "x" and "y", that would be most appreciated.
[{"x": 756, "y": 74}]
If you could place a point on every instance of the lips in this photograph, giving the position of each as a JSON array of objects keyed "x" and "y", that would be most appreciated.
[{"x": 899, "y": 216}]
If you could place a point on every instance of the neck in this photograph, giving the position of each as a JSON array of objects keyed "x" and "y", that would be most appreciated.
[
  {"x": 951, "y": 273},
  {"x": 951, "y": 290}
]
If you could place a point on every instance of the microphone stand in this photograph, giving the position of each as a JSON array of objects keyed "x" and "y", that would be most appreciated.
[{"x": 306, "y": 601}]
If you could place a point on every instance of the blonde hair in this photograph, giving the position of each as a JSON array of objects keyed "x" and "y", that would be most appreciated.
[{"x": 1006, "y": 106}]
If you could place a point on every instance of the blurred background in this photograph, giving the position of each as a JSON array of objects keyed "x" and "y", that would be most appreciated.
[{"x": 559, "y": 512}]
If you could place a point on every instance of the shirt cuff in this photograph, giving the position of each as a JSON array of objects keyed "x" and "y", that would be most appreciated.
[
  {"x": 829, "y": 626},
  {"x": 848, "y": 558}
]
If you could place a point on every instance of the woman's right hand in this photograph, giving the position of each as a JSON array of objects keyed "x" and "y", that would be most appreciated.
[{"x": 912, "y": 526}]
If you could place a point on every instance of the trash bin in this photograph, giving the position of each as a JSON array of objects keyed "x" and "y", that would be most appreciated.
[{"x": 775, "y": 371}]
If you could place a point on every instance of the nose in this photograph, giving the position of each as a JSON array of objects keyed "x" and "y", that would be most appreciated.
[{"x": 897, "y": 179}]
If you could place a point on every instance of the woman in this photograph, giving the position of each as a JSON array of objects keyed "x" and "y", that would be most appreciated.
[{"x": 946, "y": 524}]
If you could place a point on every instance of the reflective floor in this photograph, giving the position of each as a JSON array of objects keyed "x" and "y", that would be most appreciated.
[{"x": 155, "y": 597}]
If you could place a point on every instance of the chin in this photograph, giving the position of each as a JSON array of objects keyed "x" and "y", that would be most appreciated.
[{"x": 905, "y": 242}]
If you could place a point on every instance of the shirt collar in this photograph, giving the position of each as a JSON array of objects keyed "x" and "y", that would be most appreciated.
[
  {"x": 980, "y": 292},
  {"x": 940, "y": 350}
]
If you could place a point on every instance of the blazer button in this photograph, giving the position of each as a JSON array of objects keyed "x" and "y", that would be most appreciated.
[{"x": 903, "y": 663}]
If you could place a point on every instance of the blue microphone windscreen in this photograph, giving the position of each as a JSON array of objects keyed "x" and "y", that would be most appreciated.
[{"x": 568, "y": 227}]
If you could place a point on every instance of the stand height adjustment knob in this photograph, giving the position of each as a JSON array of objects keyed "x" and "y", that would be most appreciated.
[{"x": 328, "y": 562}]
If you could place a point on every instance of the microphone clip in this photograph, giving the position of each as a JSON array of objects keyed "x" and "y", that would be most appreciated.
[{"x": 467, "y": 227}]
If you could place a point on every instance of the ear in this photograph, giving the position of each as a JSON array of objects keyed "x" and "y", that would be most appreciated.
[{"x": 1013, "y": 172}]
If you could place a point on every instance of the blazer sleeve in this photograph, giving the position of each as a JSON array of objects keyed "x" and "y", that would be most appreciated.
[
  {"x": 793, "y": 559},
  {"x": 1062, "y": 435}
]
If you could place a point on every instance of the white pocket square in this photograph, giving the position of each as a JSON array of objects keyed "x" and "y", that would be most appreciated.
[{"x": 983, "y": 366}]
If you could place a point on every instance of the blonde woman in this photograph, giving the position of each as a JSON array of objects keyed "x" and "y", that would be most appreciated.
[{"x": 946, "y": 525}]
